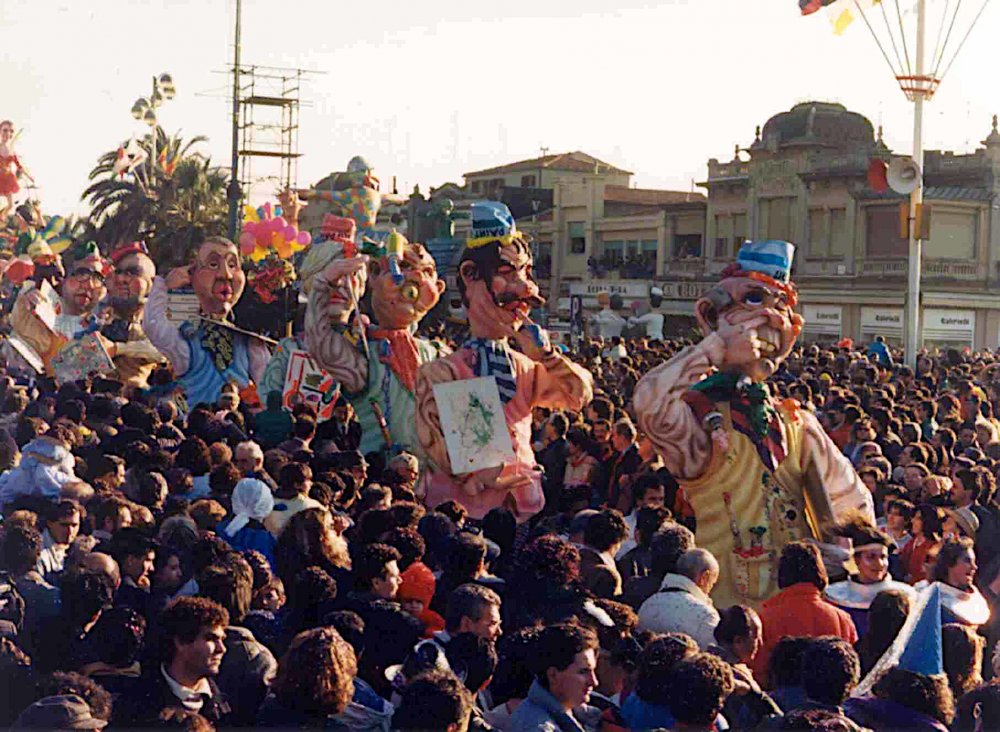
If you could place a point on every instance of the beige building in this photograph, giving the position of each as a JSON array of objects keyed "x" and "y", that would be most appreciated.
[{"x": 803, "y": 179}]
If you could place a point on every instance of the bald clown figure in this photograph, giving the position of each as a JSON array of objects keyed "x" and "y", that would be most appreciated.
[{"x": 208, "y": 353}]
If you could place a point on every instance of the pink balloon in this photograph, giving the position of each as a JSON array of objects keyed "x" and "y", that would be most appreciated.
[
  {"x": 263, "y": 237},
  {"x": 303, "y": 238},
  {"x": 291, "y": 232},
  {"x": 247, "y": 242},
  {"x": 280, "y": 223},
  {"x": 267, "y": 210}
]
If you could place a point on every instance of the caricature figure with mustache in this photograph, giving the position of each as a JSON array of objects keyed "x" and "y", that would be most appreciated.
[
  {"x": 498, "y": 290},
  {"x": 384, "y": 370},
  {"x": 757, "y": 472},
  {"x": 206, "y": 354}
]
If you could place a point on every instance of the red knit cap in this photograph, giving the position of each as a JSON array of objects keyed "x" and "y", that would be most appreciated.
[
  {"x": 135, "y": 247},
  {"x": 418, "y": 584}
]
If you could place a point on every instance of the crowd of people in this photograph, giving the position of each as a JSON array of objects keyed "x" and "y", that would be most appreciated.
[{"x": 242, "y": 566}]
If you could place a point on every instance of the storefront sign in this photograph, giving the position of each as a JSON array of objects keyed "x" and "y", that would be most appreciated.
[
  {"x": 941, "y": 326},
  {"x": 823, "y": 319},
  {"x": 887, "y": 322}
]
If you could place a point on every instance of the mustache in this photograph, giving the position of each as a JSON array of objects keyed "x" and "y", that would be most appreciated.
[{"x": 506, "y": 298}]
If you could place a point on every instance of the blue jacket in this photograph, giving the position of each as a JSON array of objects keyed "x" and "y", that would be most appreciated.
[{"x": 540, "y": 712}]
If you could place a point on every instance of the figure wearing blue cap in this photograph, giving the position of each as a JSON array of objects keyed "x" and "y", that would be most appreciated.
[
  {"x": 499, "y": 291},
  {"x": 757, "y": 472}
]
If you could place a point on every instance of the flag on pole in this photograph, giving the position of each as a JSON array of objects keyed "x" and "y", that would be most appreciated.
[
  {"x": 844, "y": 12},
  {"x": 808, "y": 7}
]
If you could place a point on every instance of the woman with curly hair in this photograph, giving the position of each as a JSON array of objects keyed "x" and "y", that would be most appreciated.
[
  {"x": 315, "y": 682},
  {"x": 309, "y": 540},
  {"x": 548, "y": 586},
  {"x": 905, "y": 700},
  {"x": 927, "y": 525}
]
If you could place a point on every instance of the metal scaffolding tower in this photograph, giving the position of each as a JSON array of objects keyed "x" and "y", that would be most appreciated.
[{"x": 269, "y": 100}]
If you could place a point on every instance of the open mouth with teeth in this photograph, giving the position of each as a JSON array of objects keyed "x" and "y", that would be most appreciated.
[{"x": 770, "y": 341}]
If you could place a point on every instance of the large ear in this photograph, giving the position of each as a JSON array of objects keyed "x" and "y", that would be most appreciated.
[
  {"x": 440, "y": 285},
  {"x": 469, "y": 272},
  {"x": 706, "y": 313}
]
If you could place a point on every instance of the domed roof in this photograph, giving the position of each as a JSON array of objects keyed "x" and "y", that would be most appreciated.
[{"x": 818, "y": 124}]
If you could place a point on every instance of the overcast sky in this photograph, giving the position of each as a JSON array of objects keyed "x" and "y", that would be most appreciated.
[{"x": 428, "y": 90}]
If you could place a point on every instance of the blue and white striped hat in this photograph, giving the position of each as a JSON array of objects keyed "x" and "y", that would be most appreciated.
[{"x": 772, "y": 258}]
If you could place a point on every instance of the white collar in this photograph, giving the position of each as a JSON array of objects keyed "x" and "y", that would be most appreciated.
[
  {"x": 190, "y": 698},
  {"x": 680, "y": 582},
  {"x": 858, "y": 596},
  {"x": 969, "y": 607}
]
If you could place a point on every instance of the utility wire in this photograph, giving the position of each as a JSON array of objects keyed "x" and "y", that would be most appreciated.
[
  {"x": 965, "y": 38},
  {"x": 902, "y": 35},
  {"x": 876, "y": 39}
]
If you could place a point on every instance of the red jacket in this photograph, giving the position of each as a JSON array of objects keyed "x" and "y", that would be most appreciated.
[{"x": 799, "y": 610}]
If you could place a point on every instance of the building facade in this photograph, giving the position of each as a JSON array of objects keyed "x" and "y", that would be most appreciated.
[{"x": 804, "y": 180}]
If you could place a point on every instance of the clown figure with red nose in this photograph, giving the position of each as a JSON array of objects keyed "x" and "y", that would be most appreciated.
[
  {"x": 498, "y": 290},
  {"x": 758, "y": 472},
  {"x": 378, "y": 373},
  {"x": 209, "y": 352}
]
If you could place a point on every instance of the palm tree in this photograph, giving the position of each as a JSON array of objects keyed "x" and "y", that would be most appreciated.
[{"x": 172, "y": 211}]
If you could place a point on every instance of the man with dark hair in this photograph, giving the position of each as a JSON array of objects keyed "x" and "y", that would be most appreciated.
[
  {"x": 19, "y": 551},
  {"x": 248, "y": 666},
  {"x": 648, "y": 491},
  {"x": 192, "y": 646},
  {"x": 135, "y": 554},
  {"x": 625, "y": 465},
  {"x": 62, "y": 524},
  {"x": 465, "y": 561},
  {"x": 667, "y": 546},
  {"x": 698, "y": 688},
  {"x": 62, "y": 643},
  {"x": 112, "y": 513},
  {"x": 603, "y": 535},
  {"x": 830, "y": 671},
  {"x": 292, "y": 496},
  {"x": 799, "y": 608},
  {"x": 390, "y": 632},
  {"x": 563, "y": 663},
  {"x": 303, "y": 432},
  {"x": 472, "y": 609},
  {"x": 638, "y": 561},
  {"x": 434, "y": 700},
  {"x": 552, "y": 457}
]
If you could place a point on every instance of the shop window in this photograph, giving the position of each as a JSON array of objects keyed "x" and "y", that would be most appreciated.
[
  {"x": 527, "y": 181},
  {"x": 577, "y": 238},
  {"x": 882, "y": 232},
  {"x": 687, "y": 246}
]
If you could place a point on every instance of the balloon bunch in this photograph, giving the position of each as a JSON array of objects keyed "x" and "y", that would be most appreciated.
[{"x": 266, "y": 231}]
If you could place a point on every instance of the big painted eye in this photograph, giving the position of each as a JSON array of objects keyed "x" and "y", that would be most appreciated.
[{"x": 754, "y": 297}]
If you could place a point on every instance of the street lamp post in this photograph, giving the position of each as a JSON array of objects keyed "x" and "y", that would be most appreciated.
[{"x": 145, "y": 110}]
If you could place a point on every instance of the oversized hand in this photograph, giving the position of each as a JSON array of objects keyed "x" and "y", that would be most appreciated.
[
  {"x": 738, "y": 331},
  {"x": 178, "y": 277},
  {"x": 533, "y": 340},
  {"x": 291, "y": 206},
  {"x": 347, "y": 279}
]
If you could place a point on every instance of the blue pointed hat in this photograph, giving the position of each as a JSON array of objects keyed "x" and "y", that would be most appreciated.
[
  {"x": 771, "y": 258},
  {"x": 491, "y": 221},
  {"x": 922, "y": 653}
]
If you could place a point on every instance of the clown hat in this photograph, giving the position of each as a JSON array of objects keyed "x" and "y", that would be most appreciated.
[
  {"x": 339, "y": 228},
  {"x": 771, "y": 258},
  {"x": 491, "y": 221},
  {"x": 135, "y": 247}
]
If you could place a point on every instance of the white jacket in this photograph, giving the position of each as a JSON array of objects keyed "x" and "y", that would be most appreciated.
[{"x": 680, "y": 606}]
